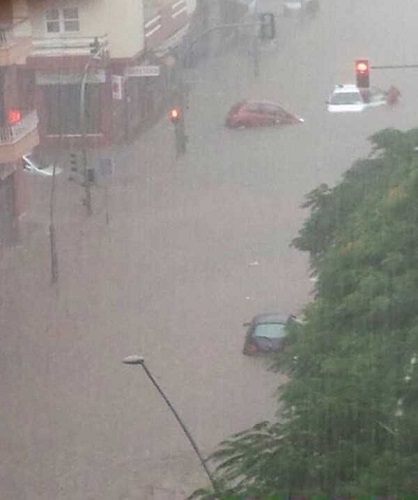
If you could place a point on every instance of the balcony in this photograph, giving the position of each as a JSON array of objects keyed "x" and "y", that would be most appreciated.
[
  {"x": 67, "y": 46},
  {"x": 15, "y": 41},
  {"x": 19, "y": 138}
]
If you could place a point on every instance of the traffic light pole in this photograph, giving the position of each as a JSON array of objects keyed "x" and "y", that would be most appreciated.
[
  {"x": 177, "y": 119},
  {"x": 256, "y": 25},
  {"x": 362, "y": 72},
  {"x": 83, "y": 138},
  {"x": 180, "y": 136},
  {"x": 264, "y": 28},
  {"x": 256, "y": 48},
  {"x": 97, "y": 53},
  {"x": 395, "y": 66}
]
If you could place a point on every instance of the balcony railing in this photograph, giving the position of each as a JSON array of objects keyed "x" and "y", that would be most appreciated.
[
  {"x": 19, "y": 138},
  {"x": 67, "y": 45},
  {"x": 15, "y": 132},
  {"x": 15, "y": 41}
]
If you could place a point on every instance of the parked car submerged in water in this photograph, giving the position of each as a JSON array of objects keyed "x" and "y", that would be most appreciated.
[
  {"x": 348, "y": 98},
  {"x": 259, "y": 114},
  {"x": 266, "y": 333}
]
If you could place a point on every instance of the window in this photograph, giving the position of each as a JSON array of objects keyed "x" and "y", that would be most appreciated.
[
  {"x": 63, "y": 20},
  {"x": 270, "y": 109},
  {"x": 346, "y": 98},
  {"x": 253, "y": 107},
  {"x": 270, "y": 330}
]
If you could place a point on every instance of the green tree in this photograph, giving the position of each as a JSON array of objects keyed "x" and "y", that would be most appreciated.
[{"x": 347, "y": 422}]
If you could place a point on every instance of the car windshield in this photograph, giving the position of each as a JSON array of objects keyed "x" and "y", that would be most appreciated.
[
  {"x": 271, "y": 109},
  {"x": 270, "y": 330},
  {"x": 37, "y": 162},
  {"x": 346, "y": 98},
  {"x": 253, "y": 107},
  {"x": 236, "y": 107}
]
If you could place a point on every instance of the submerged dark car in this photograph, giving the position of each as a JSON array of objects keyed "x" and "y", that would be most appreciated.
[
  {"x": 266, "y": 333},
  {"x": 259, "y": 114}
]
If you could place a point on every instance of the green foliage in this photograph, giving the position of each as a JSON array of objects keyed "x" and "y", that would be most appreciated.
[{"x": 347, "y": 422}]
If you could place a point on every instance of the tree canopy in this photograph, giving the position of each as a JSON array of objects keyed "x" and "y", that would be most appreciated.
[{"x": 347, "y": 420}]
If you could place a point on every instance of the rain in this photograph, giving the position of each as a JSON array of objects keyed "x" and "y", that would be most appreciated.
[{"x": 135, "y": 222}]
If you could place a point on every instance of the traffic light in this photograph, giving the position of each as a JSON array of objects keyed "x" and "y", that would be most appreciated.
[
  {"x": 267, "y": 26},
  {"x": 94, "y": 46},
  {"x": 362, "y": 69},
  {"x": 73, "y": 162},
  {"x": 175, "y": 115},
  {"x": 13, "y": 116},
  {"x": 91, "y": 175}
]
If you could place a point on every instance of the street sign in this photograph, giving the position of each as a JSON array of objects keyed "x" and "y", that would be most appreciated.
[
  {"x": 117, "y": 87},
  {"x": 140, "y": 71}
]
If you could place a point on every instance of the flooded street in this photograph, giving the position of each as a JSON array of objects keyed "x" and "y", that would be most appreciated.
[{"x": 194, "y": 248}]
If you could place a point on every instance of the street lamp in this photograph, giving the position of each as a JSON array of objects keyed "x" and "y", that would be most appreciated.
[
  {"x": 97, "y": 53},
  {"x": 83, "y": 135},
  {"x": 139, "y": 360}
]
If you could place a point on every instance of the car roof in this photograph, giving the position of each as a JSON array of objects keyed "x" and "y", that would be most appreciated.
[
  {"x": 270, "y": 318},
  {"x": 252, "y": 101},
  {"x": 348, "y": 87}
]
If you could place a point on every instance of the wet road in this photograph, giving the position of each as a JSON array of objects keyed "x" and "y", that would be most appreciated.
[{"x": 194, "y": 248}]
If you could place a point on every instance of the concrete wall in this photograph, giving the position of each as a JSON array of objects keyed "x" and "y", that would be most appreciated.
[
  {"x": 125, "y": 27},
  {"x": 191, "y": 6}
]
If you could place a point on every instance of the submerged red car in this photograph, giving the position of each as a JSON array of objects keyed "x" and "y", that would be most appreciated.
[{"x": 259, "y": 114}]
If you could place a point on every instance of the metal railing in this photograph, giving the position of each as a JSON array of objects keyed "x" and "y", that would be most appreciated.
[
  {"x": 67, "y": 45},
  {"x": 9, "y": 134}
]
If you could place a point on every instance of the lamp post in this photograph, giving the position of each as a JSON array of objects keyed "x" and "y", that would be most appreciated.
[
  {"x": 256, "y": 49},
  {"x": 139, "y": 360},
  {"x": 97, "y": 51},
  {"x": 83, "y": 136}
]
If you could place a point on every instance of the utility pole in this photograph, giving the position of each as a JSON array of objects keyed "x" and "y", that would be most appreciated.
[
  {"x": 96, "y": 52},
  {"x": 139, "y": 361},
  {"x": 87, "y": 200},
  {"x": 264, "y": 26},
  {"x": 52, "y": 234},
  {"x": 177, "y": 119},
  {"x": 256, "y": 49}
]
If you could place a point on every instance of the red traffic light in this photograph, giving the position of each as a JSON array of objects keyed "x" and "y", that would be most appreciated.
[
  {"x": 362, "y": 66},
  {"x": 13, "y": 116},
  {"x": 174, "y": 115}
]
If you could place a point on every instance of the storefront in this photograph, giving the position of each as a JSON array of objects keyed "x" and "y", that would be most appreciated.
[{"x": 59, "y": 106}]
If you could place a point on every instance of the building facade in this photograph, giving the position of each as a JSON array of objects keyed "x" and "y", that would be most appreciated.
[
  {"x": 107, "y": 45},
  {"x": 18, "y": 117}
]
